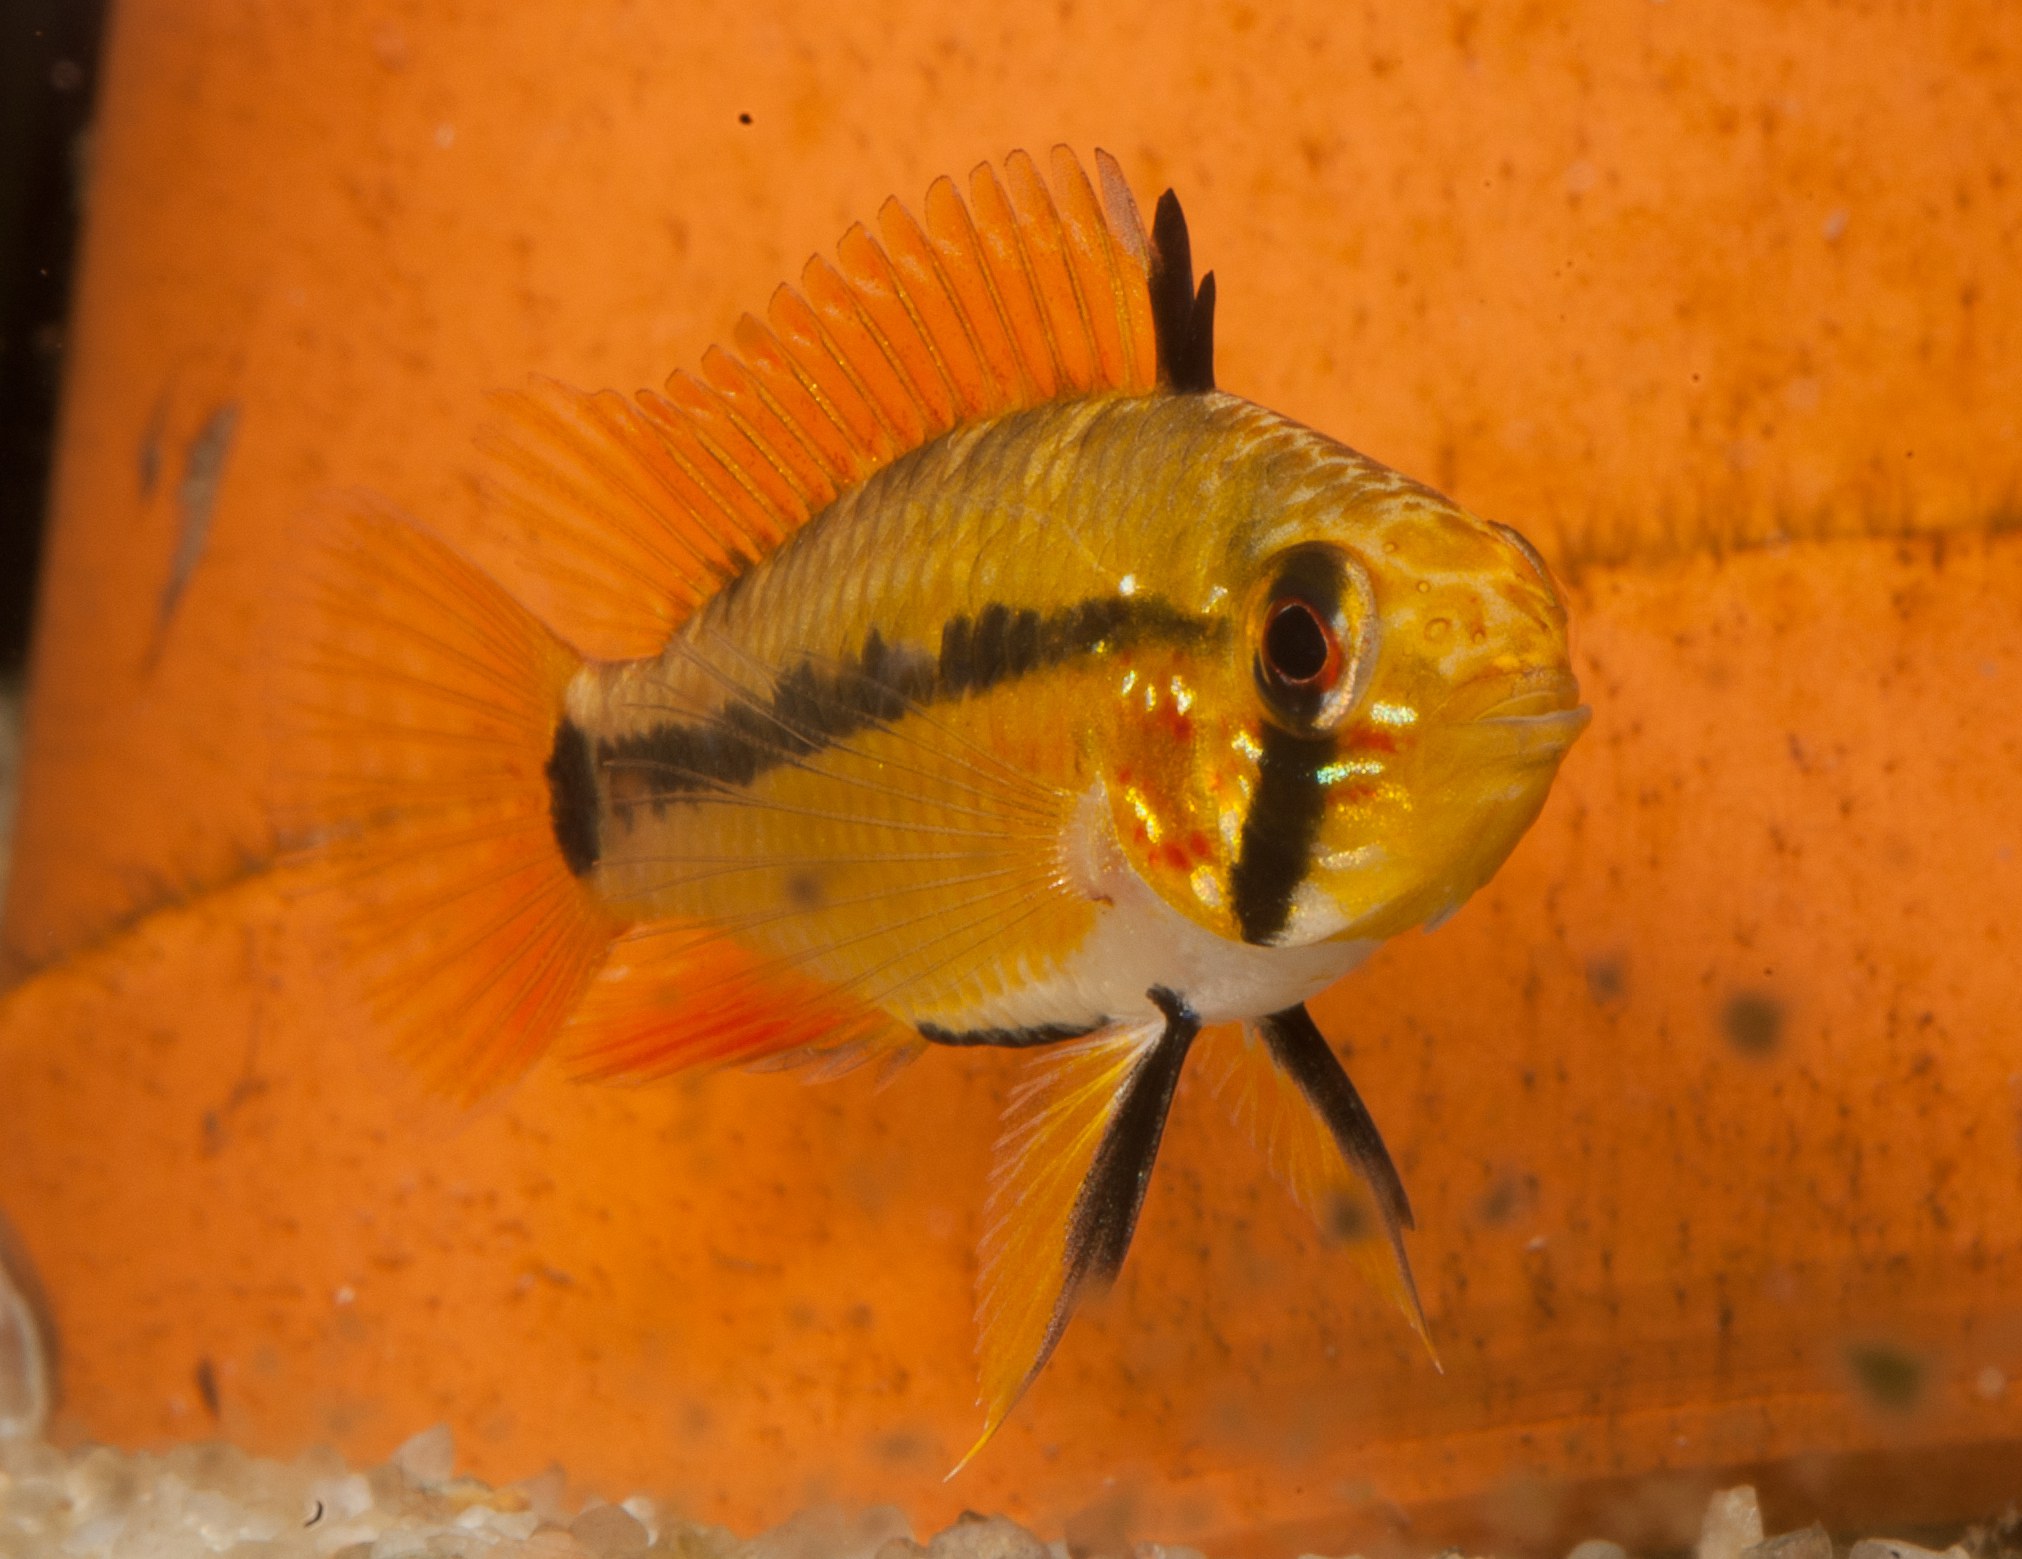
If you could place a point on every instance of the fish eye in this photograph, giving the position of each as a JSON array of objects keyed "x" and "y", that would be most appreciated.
[
  {"x": 1312, "y": 626},
  {"x": 1299, "y": 649}
]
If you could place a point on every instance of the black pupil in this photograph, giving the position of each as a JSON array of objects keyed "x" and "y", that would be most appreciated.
[{"x": 1295, "y": 644}]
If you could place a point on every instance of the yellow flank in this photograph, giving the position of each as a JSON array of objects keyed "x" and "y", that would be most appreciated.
[{"x": 918, "y": 855}]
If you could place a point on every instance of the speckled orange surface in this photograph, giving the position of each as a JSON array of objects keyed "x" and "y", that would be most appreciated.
[{"x": 1711, "y": 1106}]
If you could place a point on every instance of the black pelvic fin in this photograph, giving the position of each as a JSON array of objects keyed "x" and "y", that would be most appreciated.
[
  {"x": 1183, "y": 320},
  {"x": 1105, "y": 1211},
  {"x": 1298, "y": 1046}
]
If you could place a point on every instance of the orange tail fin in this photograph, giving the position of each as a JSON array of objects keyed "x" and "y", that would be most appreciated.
[{"x": 422, "y": 710}]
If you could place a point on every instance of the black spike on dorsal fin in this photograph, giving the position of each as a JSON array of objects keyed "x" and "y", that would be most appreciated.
[
  {"x": 1183, "y": 321},
  {"x": 1198, "y": 371}
]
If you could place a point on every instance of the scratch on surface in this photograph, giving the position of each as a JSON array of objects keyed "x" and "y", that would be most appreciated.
[
  {"x": 149, "y": 460},
  {"x": 196, "y": 498}
]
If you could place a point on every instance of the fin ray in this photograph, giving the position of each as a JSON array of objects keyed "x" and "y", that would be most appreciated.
[
  {"x": 614, "y": 518},
  {"x": 421, "y": 708},
  {"x": 1074, "y": 1163},
  {"x": 1328, "y": 1170},
  {"x": 1053, "y": 1128}
]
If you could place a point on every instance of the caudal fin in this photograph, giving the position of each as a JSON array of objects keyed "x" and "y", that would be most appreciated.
[{"x": 421, "y": 732}]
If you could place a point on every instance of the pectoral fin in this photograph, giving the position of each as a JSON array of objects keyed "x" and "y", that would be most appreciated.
[
  {"x": 1076, "y": 1156},
  {"x": 1287, "y": 1089}
]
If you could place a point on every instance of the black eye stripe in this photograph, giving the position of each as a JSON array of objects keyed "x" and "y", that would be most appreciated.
[{"x": 1313, "y": 576}]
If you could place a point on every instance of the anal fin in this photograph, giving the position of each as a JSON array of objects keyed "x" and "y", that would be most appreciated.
[
  {"x": 1073, "y": 1165},
  {"x": 676, "y": 996}
]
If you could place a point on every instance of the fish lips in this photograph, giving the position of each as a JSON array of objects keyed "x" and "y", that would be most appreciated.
[{"x": 1534, "y": 719}]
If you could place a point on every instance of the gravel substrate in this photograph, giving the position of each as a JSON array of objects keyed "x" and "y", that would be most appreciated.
[{"x": 202, "y": 1500}]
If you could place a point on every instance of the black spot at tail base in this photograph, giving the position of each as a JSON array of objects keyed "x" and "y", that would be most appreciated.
[{"x": 572, "y": 797}]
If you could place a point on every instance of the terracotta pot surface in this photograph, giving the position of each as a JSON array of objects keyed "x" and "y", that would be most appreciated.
[{"x": 1710, "y": 1105}]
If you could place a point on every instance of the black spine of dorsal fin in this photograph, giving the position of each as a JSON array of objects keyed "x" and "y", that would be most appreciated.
[
  {"x": 1198, "y": 372},
  {"x": 1183, "y": 321}
]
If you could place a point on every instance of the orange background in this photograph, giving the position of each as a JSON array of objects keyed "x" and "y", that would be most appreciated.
[{"x": 1711, "y": 1106}]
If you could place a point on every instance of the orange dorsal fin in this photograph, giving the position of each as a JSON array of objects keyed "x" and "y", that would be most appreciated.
[{"x": 612, "y": 518}]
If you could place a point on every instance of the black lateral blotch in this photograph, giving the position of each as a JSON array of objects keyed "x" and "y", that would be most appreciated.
[
  {"x": 1008, "y": 1039},
  {"x": 813, "y": 706}
]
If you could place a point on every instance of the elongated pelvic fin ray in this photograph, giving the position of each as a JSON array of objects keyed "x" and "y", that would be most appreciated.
[
  {"x": 1287, "y": 1089},
  {"x": 613, "y": 518},
  {"x": 419, "y": 715},
  {"x": 1073, "y": 1166}
]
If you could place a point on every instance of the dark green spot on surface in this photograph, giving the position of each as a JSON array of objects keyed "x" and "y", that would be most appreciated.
[
  {"x": 1607, "y": 979},
  {"x": 1890, "y": 1377},
  {"x": 1348, "y": 1220},
  {"x": 207, "y": 1388},
  {"x": 1753, "y": 1022}
]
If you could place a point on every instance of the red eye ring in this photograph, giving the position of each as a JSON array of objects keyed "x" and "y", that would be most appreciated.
[{"x": 1299, "y": 649}]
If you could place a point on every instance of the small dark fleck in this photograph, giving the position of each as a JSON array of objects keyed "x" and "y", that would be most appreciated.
[
  {"x": 903, "y": 1445},
  {"x": 315, "y": 1515},
  {"x": 197, "y": 498},
  {"x": 805, "y": 891},
  {"x": 1511, "y": 1194},
  {"x": 1607, "y": 979},
  {"x": 207, "y": 1388},
  {"x": 1347, "y": 1220},
  {"x": 744, "y": 119},
  {"x": 1753, "y": 1022},
  {"x": 1891, "y": 1378}
]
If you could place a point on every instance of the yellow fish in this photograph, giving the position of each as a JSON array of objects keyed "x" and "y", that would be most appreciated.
[{"x": 953, "y": 663}]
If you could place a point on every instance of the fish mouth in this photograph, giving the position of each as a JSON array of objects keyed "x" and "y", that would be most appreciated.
[{"x": 1542, "y": 711}]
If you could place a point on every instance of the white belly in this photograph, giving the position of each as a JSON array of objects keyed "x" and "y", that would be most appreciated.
[{"x": 1139, "y": 941}]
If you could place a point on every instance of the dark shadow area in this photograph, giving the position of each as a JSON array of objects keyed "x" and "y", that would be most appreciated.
[{"x": 49, "y": 57}]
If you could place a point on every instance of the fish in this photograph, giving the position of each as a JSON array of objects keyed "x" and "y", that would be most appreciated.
[{"x": 950, "y": 662}]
